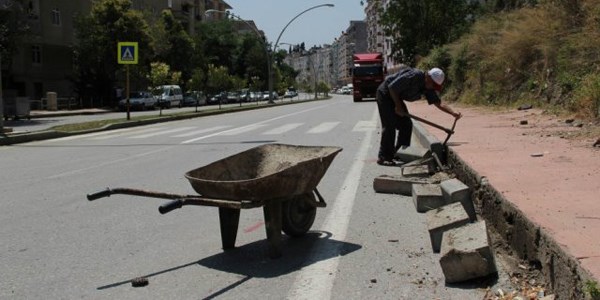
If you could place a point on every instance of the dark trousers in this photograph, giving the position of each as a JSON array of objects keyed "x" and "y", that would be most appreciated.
[{"x": 390, "y": 122}]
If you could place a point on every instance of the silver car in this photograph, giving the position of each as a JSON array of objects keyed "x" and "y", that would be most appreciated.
[{"x": 138, "y": 100}]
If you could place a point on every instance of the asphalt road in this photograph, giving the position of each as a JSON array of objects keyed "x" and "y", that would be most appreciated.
[{"x": 56, "y": 244}]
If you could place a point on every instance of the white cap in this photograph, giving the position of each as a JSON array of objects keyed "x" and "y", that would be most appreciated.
[{"x": 437, "y": 75}]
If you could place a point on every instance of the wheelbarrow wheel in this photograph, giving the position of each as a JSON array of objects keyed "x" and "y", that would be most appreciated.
[{"x": 298, "y": 215}]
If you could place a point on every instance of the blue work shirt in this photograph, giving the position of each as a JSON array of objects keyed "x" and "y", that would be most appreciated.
[{"x": 409, "y": 85}]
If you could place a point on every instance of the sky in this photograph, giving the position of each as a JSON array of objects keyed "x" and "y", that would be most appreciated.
[{"x": 315, "y": 27}]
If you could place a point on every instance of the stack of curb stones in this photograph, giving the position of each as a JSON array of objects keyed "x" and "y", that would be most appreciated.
[{"x": 455, "y": 232}]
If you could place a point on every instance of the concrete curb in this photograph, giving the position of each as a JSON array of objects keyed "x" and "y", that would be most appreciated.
[{"x": 429, "y": 141}]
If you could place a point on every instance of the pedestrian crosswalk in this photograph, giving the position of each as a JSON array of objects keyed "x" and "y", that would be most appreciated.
[{"x": 191, "y": 134}]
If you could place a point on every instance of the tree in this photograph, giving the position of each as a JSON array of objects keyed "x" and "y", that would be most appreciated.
[
  {"x": 218, "y": 79},
  {"x": 161, "y": 74},
  {"x": 13, "y": 28},
  {"x": 198, "y": 80},
  {"x": 417, "y": 26},
  {"x": 95, "y": 61},
  {"x": 173, "y": 45},
  {"x": 217, "y": 43}
]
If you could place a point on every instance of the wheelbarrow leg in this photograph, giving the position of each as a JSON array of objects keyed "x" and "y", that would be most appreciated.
[
  {"x": 272, "y": 212},
  {"x": 229, "y": 219}
]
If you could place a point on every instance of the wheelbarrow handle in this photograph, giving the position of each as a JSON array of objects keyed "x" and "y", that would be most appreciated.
[
  {"x": 136, "y": 192},
  {"x": 101, "y": 194},
  {"x": 170, "y": 206}
]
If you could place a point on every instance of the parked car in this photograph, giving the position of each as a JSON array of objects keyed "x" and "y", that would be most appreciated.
[
  {"x": 255, "y": 96},
  {"x": 233, "y": 97},
  {"x": 168, "y": 96},
  {"x": 138, "y": 100},
  {"x": 290, "y": 94},
  {"x": 265, "y": 95},
  {"x": 194, "y": 98},
  {"x": 218, "y": 98}
]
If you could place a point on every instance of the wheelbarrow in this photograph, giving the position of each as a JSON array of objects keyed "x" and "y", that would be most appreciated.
[{"x": 278, "y": 177}]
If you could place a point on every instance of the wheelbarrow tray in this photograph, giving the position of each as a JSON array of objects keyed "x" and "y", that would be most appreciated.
[{"x": 265, "y": 172}]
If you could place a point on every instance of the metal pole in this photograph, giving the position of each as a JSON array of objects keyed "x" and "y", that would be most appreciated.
[
  {"x": 277, "y": 42},
  {"x": 1, "y": 100},
  {"x": 127, "y": 93}
]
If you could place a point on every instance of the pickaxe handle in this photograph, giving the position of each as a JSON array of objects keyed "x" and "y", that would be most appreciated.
[{"x": 448, "y": 131}]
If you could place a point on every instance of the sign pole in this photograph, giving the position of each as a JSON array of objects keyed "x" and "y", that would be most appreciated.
[
  {"x": 127, "y": 54},
  {"x": 127, "y": 93}
]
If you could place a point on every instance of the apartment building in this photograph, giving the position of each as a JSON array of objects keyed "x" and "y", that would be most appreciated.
[
  {"x": 376, "y": 38},
  {"x": 44, "y": 60}
]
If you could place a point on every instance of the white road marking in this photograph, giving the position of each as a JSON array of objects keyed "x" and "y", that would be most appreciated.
[
  {"x": 201, "y": 131},
  {"x": 239, "y": 130},
  {"x": 116, "y": 134},
  {"x": 323, "y": 127},
  {"x": 143, "y": 136},
  {"x": 363, "y": 126},
  {"x": 315, "y": 281},
  {"x": 283, "y": 129},
  {"x": 261, "y": 122}
]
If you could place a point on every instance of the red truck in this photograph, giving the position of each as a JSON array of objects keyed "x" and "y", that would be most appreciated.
[{"x": 368, "y": 72}]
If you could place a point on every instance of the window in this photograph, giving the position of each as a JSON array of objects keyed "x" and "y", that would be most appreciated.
[
  {"x": 36, "y": 55},
  {"x": 56, "y": 17}
]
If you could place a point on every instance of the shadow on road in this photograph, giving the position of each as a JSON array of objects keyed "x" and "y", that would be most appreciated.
[{"x": 251, "y": 260}]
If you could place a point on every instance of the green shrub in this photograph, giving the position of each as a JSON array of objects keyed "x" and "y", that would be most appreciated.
[
  {"x": 586, "y": 99},
  {"x": 592, "y": 288}
]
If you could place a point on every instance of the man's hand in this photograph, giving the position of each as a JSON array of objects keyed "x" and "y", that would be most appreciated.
[{"x": 457, "y": 115}]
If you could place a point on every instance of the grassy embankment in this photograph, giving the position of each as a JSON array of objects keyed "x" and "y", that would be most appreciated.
[{"x": 547, "y": 56}]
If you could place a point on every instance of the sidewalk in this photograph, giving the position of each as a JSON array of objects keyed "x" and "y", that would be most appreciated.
[{"x": 552, "y": 179}]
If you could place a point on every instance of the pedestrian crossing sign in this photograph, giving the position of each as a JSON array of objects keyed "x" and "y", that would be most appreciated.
[{"x": 127, "y": 53}]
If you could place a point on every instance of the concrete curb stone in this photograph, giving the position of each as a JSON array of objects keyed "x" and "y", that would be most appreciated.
[
  {"x": 442, "y": 219},
  {"x": 466, "y": 253},
  {"x": 427, "y": 197}
]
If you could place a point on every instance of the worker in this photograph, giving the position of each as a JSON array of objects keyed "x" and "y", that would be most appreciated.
[{"x": 409, "y": 84}]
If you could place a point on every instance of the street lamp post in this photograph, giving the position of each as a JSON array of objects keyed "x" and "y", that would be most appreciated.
[
  {"x": 270, "y": 56},
  {"x": 279, "y": 37}
]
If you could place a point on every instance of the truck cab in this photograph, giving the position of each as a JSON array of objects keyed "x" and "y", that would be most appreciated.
[{"x": 367, "y": 73}]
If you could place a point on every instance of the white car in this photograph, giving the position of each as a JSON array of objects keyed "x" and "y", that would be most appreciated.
[
  {"x": 139, "y": 100},
  {"x": 265, "y": 95},
  {"x": 168, "y": 96},
  {"x": 290, "y": 94}
]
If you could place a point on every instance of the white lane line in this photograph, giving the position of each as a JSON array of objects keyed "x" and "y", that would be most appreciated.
[
  {"x": 168, "y": 131},
  {"x": 283, "y": 129},
  {"x": 363, "y": 126},
  {"x": 201, "y": 131},
  {"x": 323, "y": 127},
  {"x": 243, "y": 129},
  {"x": 261, "y": 122},
  {"x": 315, "y": 281},
  {"x": 116, "y": 134},
  {"x": 95, "y": 135}
]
